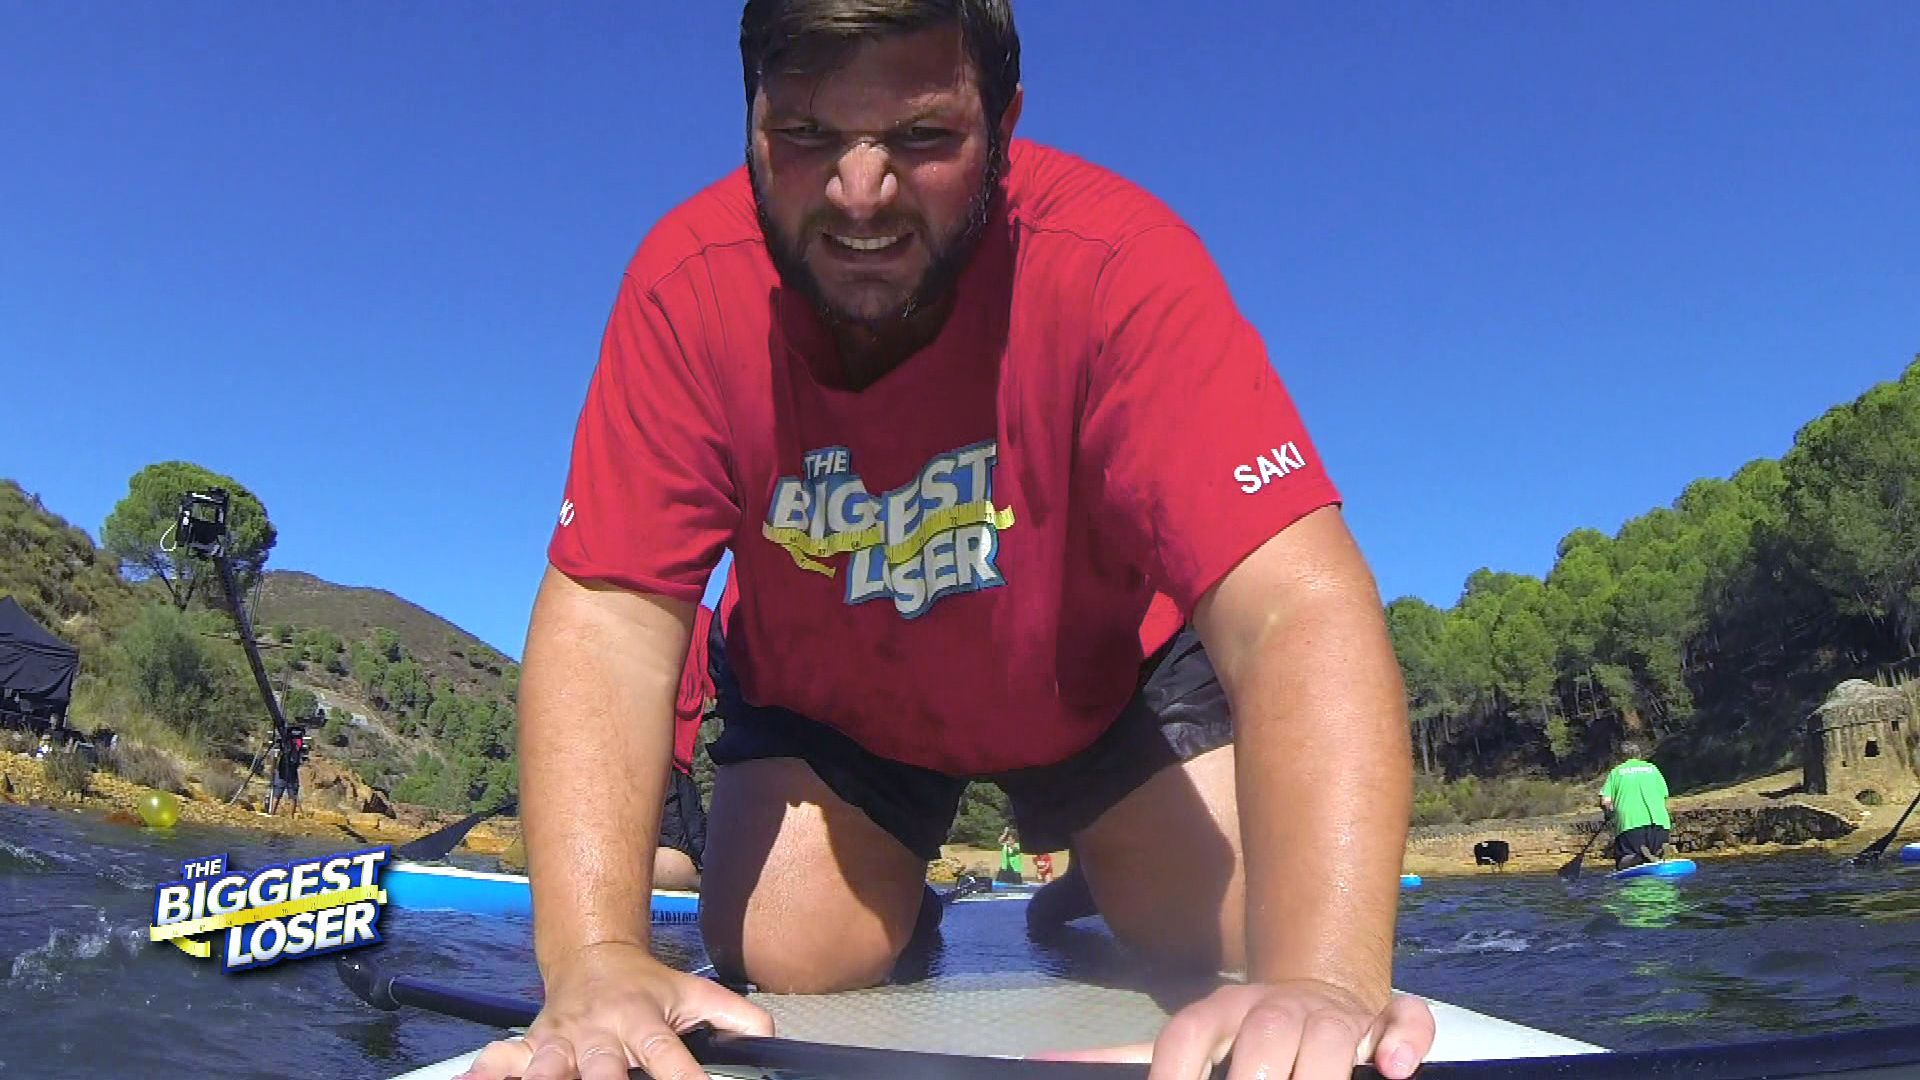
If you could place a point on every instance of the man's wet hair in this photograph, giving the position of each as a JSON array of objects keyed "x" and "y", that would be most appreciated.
[{"x": 810, "y": 36}]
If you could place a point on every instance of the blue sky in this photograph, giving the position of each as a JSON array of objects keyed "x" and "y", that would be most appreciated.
[{"x": 1526, "y": 267}]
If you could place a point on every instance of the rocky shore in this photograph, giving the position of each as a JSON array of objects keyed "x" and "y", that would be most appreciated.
[
  {"x": 1759, "y": 817},
  {"x": 1762, "y": 816},
  {"x": 336, "y": 806}
]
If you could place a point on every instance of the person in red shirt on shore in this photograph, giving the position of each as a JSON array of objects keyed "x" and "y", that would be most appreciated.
[{"x": 1013, "y": 494}]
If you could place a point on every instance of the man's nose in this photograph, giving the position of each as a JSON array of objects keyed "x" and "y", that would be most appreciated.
[{"x": 863, "y": 182}]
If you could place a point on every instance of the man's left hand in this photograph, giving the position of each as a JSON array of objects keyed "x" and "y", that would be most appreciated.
[{"x": 1304, "y": 1029}]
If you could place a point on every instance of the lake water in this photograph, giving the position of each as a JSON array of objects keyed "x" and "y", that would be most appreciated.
[{"x": 1745, "y": 949}]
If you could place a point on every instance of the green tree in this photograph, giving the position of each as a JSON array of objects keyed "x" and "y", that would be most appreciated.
[
  {"x": 1415, "y": 628},
  {"x": 175, "y": 674},
  {"x": 1852, "y": 499},
  {"x": 298, "y": 704},
  {"x": 387, "y": 643},
  {"x": 983, "y": 813},
  {"x": 139, "y": 524}
]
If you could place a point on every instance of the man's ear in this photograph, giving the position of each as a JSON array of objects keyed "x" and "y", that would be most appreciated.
[{"x": 1012, "y": 116}]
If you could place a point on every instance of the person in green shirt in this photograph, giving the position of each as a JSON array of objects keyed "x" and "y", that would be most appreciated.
[
  {"x": 1635, "y": 796},
  {"x": 1010, "y": 857}
]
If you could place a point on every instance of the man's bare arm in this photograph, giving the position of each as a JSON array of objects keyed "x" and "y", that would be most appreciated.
[
  {"x": 595, "y": 738},
  {"x": 1322, "y": 752}
]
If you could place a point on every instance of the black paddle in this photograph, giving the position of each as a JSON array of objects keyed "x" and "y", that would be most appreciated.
[
  {"x": 436, "y": 844},
  {"x": 1572, "y": 869},
  {"x": 1879, "y": 1052},
  {"x": 1879, "y": 847}
]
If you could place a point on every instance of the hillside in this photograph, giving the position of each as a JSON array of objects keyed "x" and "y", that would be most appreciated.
[
  {"x": 53, "y": 570},
  {"x": 401, "y": 698},
  {"x": 447, "y": 655},
  {"x": 415, "y": 705}
]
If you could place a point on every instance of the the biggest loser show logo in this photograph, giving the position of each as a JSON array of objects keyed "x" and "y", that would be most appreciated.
[{"x": 293, "y": 910}]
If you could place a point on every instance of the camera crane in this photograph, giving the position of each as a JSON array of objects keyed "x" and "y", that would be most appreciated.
[{"x": 202, "y": 530}]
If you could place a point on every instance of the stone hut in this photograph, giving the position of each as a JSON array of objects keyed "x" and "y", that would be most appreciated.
[{"x": 1862, "y": 739}]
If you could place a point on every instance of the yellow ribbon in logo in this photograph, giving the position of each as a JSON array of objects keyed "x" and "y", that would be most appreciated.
[{"x": 186, "y": 934}]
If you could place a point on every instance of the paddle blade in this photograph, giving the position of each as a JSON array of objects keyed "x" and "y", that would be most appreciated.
[
  {"x": 1879, "y": 847},
  {"x": 436, "y": 845},
  {"x": 1572, "y": 869}
]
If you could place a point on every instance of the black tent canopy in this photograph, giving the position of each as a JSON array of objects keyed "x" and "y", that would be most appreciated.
[{"x": 34, "y": 664}]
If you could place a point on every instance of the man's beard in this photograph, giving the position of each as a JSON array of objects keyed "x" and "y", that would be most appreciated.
[{"x": 947, "y": 256}]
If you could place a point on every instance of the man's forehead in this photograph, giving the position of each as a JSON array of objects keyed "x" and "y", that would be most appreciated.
[{"x": 909, "y": 74}]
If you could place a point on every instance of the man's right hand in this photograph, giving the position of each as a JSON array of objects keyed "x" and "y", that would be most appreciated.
[{"x": 611, "y": 1007}]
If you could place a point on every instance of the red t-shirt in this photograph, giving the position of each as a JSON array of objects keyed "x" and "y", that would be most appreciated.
[
  {"x": 955, "y": 565},
  {"x": 696, "y": 686}
]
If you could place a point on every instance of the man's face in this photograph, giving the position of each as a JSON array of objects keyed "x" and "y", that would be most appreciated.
[{"x": 873, "y": 179}]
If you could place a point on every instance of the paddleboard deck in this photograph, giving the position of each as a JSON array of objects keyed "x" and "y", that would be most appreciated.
[
  {"x": 988, "y": 990},
  {"x": 1669, "y": 868},
  {"x": 1022, "y": 1014},
  {"x": 1910, "y": 853}
]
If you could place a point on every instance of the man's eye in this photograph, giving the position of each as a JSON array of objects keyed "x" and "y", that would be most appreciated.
[
  {"x": 804, "y": 135},
  {"x": 924, "y": 138}
]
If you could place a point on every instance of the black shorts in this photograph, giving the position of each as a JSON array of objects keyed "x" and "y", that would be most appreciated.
[
  {"x": 683, "y": 821},
  {"x": 1178, "y": 712},
  {"x": 1628, "y": 844}
]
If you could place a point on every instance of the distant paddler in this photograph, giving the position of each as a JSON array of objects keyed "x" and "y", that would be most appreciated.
[{"x": 1635, "y": 798}]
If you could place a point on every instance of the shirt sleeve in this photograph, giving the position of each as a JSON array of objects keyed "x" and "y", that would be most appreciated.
[
  {"x": 1611, "y": 789},
  {"x": 649, "y": 502},
  {"x": 1204, "y": 457}
]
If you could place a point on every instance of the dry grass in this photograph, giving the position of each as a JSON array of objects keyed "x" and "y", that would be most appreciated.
[
  {"x": 67, "y": 772},
  {"x": 144, "y": 765},
  {"x": 221, "y": 779}
]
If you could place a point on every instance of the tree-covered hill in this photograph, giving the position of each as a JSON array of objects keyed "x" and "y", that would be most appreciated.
[
  {"x": 418, "y": 708},
  {"x": 1710, "y": 626},
  {"x": 446, "y": 654}
]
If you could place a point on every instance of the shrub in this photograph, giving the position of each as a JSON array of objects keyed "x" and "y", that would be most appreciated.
[
  {"x": 1474, "y": 799},
  {"x": 67, "y": 771},
  {"x": 145, "y": 766},
  {"x": 222, "y": 781},
  {"x": 173, "y": 672},
  {"x": 299, "y": 703}
]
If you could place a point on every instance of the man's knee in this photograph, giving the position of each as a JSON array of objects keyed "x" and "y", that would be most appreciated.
[
  {"x": 1165, "y": 869},
  {"x": 673, "y": 869},
  {"x": 802, "y": 893}
]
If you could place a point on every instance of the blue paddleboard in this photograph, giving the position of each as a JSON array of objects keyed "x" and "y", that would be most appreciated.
[
  {"x": 1910, "y": 853},
  {"x": 420, "y": 887},
  {"x": 1667, "y": 868},
  {"x": 1409, "y": 881}
]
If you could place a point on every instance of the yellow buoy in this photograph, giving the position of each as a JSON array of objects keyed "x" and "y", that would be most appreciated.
[{"x": 159, "y": 809}]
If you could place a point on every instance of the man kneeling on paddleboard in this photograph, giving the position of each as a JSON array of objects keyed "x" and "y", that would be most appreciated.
[
  {"x": 1013, "y": 494},
  {"x": 1635, "y": 798}
]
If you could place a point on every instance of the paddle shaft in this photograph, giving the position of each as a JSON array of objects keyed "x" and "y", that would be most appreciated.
[{"x": 1572, "y": 869}]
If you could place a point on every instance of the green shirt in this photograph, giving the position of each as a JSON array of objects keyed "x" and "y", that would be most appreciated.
[
  {"x": 1010, "y": 857},
  {"x": 1639, "y": 795}
]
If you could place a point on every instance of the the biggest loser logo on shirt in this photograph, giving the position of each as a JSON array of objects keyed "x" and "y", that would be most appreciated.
[{"x": 934, "y": 536}]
